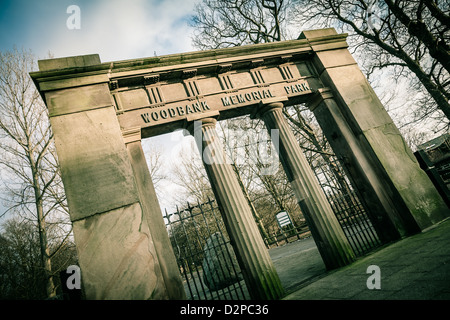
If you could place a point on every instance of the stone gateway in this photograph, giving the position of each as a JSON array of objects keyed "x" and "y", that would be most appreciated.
[{"x": 99, "y": 112}]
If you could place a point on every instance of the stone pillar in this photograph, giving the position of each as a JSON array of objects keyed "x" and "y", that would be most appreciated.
[
  {"x": 415, "y": 199},
  {"x": 259, "y": 273},
  {"x": 328, "y": 234},
  {"x": 116, "y": 252},
  {"x": 377, "y": 201},
  {"x": 153, "y": 216}
]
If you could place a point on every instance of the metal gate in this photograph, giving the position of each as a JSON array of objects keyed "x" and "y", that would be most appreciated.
[
  {"x": 197, "y": 233},
  {"x": 346, "y": 203}
]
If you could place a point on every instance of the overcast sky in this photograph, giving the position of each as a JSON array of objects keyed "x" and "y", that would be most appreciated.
[{"x": 115, "y": 29}]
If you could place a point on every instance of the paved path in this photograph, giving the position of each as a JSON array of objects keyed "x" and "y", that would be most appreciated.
[
  {"x": 417, "y": 267},
  {"x": 297, "y": 262}
]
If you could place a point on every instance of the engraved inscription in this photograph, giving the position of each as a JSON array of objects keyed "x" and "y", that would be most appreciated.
[
  {"x": 246, "y": 97},
  {"x": 296, "y": 88},
  {"x": 173, "y": 112}
]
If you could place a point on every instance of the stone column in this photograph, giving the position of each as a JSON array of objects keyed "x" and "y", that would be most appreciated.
[
  {"x": 259, "y": 273},
  {"x": 153, "y": 216},
  {"x": 328, "y": 234},
  {"x": 415, "y": 199}
]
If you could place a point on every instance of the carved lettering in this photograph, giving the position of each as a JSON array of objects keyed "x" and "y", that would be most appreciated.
[
  {"x": 196, "y": 107},
  {"x": 256, "y": 95},
  {"x": 205, "y": 105},
  {"x": 146, "y": 117},
  {"x": 172, "y": 112},
  {"x": 266, "y": 94},
  {"x": 175, "y": 112},
  {"x": 297, "y": 88},
  {"x": 188, "y": 109},
  {"x": 180, "y": 111},
  {"x": 288, "y": 89},
  {"x": 246, "y": 97},
  {"x": 226, "y": 101}
]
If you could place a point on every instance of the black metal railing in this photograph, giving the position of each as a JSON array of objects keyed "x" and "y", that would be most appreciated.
[
  {"x": 346, "y": 204},
  {"x": 284, "y": 236}
]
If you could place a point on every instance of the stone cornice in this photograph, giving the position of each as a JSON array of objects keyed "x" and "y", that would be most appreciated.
[{"x": 174, "y": 65}]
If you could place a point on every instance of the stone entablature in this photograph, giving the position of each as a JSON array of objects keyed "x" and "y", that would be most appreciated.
[{"x": 157, "y": 94}]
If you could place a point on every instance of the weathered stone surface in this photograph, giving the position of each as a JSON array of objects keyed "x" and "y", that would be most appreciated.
[
  {"x": 95, "y": 169},
  {"x": 69, "y": 62},
  {"x": 117, "y": 228},
  {"x": 220, "y": 266},
  {"x": 410, "y": 189},
  {"x": 77, "y": 99},
  {"x": 154, "y": 220}
]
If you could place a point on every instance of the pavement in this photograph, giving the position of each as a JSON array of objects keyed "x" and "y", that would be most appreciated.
[
  {"x": 297, "y": 262},
  {"x": 414, "y": 268}
]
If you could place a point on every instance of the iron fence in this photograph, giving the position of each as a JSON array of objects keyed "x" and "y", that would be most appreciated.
[
  {"x": 285, "y": 235},
  {"x": 346, "y": 203},
  {"x": 204, "y": 253}
]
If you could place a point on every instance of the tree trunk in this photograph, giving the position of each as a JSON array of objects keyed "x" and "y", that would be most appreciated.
[
  {"x": 43, "y": 242},
  {"x": 438, "y": 50}
]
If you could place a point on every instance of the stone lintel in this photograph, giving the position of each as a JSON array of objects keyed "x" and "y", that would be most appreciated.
[{"x": 62, "y": 72}]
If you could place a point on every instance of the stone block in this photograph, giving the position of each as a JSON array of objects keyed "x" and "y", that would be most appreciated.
[
  {"x": 416, "y": 189},
  {"x": 310, "y": 34},
  {"x": 95, "y": 168},
  {"x": 117, "y": 256},
  {"x": 77, "y": 99},
  {"x": 412, "y": 190},
  {"x": 69, "y": 62},
  {"x": 333, "y": 58},
  {"x": 365, "y": 111}
]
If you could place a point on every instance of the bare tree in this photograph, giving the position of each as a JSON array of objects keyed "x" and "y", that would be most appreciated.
[
  {"x": 154, "y": 158},
  {"x": 30, "y": 170},
  {"x": 21, "y": 273},
  {"x": 398, "y": 43},
  {"x": 228, "y": 23},
  {"x": 190, "y": 174}
]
